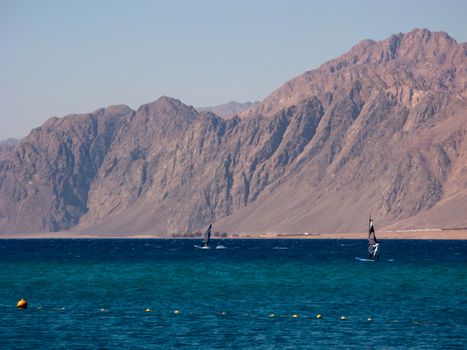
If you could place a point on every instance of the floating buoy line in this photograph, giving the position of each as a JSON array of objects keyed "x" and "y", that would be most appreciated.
[{"x": 22, "y": 304}]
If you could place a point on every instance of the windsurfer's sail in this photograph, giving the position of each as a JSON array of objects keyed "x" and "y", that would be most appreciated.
[
  {"x": 207, "y": 237},
  {"x": 373, "y": 244}
]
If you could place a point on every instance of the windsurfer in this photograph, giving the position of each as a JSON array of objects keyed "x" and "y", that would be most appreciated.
[{"x": 373, "y": 243}]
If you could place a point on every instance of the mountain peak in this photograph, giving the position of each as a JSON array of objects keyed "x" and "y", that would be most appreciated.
[
  {"x": 167, "y": 106},
  {"x": 420, "y": 44},
  {"x": 426, "y": 34}
]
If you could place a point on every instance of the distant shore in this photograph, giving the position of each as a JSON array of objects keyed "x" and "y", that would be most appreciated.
[{"x": 408, "y": 234}]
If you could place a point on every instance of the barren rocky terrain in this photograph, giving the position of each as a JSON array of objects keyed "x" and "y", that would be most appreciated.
[{"x": 380, "y": 130}]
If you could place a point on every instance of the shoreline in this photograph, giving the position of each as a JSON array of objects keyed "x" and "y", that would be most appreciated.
[
  {"x": 381, "y": 235},
  {"x": 392, "y": 235}
]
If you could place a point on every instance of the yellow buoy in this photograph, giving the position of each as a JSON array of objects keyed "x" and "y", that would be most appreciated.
[
  {"x": 177, "y": 312},
  {"x": 370, "y": 319},
  {"x": 22, "y": 304},
  {"x": 147, "y": 310},
  {"x": 318, "y": 316},
  {"x": 272, "y": 315},
  {"x": 295, "y": 315},
  {"x": 343, "y": 318}
]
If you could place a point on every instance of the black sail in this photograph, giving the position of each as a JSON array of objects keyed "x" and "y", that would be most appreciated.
[{"x": 207, "y": 237}]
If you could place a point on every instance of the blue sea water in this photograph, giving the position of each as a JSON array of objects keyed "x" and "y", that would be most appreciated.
[{"x": 256, "y": 294}]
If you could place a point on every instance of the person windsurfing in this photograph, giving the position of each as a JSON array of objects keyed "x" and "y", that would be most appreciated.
[
  {"x": 207, "y": 237},
  {"x": 373, "y": 244}
]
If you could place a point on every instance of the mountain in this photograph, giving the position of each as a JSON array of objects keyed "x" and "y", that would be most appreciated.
[
  {"x": 229, "y": 109},
  {"x": 381, "y": 130}
]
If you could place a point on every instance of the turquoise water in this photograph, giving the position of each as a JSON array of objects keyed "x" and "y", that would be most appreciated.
[{"x": 92, "y": 294}]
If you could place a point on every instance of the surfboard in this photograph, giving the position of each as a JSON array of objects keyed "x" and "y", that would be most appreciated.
[
  {"x": 201, "y": 247},
  {"x": 363, "y": 259}
]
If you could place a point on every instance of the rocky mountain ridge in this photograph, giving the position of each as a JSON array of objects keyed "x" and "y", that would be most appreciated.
[
  {"x": 380, "y": 130},
  {"x": 407, "y": 65}
]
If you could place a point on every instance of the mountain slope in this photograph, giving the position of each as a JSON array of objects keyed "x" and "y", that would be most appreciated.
[{"x": 380, "y": 130}]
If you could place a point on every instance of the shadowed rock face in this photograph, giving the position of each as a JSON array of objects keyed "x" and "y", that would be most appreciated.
[
  {"x": 380, "y": 130},
  {"x": 45, "y": 179}
]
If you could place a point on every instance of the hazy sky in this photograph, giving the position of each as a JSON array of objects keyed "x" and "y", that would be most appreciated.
[{"x": 62, "y": 57}]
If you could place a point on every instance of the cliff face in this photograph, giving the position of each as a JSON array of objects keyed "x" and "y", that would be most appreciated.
[
  {"x": 45, "y": 179},
  {"x": 380, "y": 130}
]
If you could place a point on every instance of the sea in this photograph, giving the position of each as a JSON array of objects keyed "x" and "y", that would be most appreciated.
[{"x": 254, "y": 294}]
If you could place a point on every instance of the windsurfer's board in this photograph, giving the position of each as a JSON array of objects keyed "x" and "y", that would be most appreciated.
[
  {"x": 362, "y": 259},
  {"x": 200, "y": 247}
]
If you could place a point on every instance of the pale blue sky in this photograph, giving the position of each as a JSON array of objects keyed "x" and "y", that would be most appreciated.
[{"x": 62, "y": 57}]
